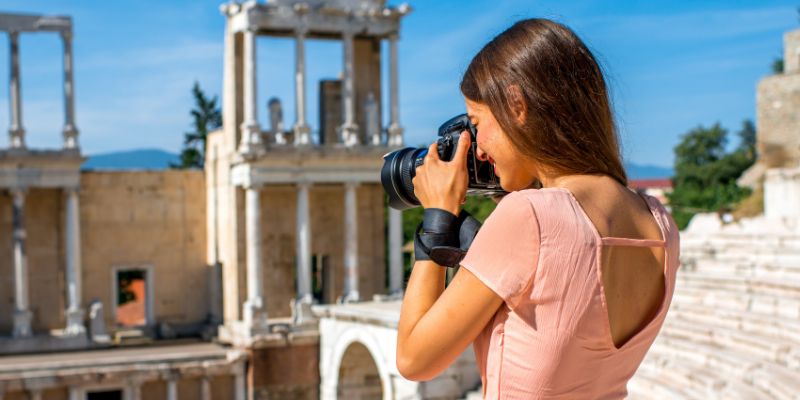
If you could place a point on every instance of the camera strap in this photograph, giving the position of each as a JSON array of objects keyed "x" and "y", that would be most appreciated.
[{"x": 444, "y": 238}]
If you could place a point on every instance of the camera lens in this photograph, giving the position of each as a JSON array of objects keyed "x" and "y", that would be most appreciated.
[{"x": 399, "y": 168}]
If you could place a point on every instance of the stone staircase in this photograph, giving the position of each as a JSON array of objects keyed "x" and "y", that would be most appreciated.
[{"x": 733, "y": 329}]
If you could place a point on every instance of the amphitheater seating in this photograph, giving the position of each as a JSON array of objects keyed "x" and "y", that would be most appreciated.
[{"x": 732, "y": 330}]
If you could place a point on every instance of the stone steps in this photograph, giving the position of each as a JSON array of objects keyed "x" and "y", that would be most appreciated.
[{"x": 765, "y": 327}]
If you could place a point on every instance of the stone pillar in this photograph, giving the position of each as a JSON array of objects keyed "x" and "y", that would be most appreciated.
[
  {"x": 70, "y": 130},
  {"x": 395, "y": 131},
  {"x": 35, "y": 394},
  {"x": 172, "y": 389},
  {"x": 302, "y": 132},
  {"x": 255, "y": 308},
  {"x": 74, "y": 312},
  {"x": 16, "y": 131},
  {"x": 349, "y": 129},
  {"x": 73, "y": 393},
  {"x": 22, "y": 316},
  {"x": 395, "y": 252},
  {"x": 239, "y": 386},
  {"x": 303, "y": 244},
  {"x": 205, "y": 388},
  {"x": 350, "y": 243},
  {"x": 251, "y": 131},
  {"x": 134, "y": 390}
]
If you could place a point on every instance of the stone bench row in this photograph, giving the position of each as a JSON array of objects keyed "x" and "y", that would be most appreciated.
[
  {"x": 688, "y": 382},
  {"x": 744, "y": 268},
  {"x": 739, "y": 299},
  {"x": 770, "y": 349},
  {"x": 777, "y": 380},
  {"x": 764, "y": 326},
  {"x": 782, "y": 288},
  {"x": 722, "y": 239}
]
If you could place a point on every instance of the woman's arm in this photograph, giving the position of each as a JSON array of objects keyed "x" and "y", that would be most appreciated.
[{"x": 437, "y": 324}]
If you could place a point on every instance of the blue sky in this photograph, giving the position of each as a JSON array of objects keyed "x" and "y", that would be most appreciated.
[{"x": 671, "y": 65}]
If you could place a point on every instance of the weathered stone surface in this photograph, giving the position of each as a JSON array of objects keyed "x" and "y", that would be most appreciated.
[
  {"x": 137, "y": 219},
  {"x": 285, "y": 372}
]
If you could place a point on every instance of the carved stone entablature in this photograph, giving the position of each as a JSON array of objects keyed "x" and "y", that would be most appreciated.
[
  {"x": 40, "y": 168},
  {"x": 319, "y": 18},
  {"x": 341, "y": 4},
  {"x": 312, "y": 165},
  {"x": 34, "y": 23}
]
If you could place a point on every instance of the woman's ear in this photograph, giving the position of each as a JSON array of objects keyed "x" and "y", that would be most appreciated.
[{"x": 517, "y": 102}]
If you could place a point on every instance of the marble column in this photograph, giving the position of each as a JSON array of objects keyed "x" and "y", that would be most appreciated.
[
  {"x": 302, "y": 132},
  {"x": 251, "y": 130},
  {"x": 350, "y": 243},
  {"x": 22, "y": 316},
  {"x": 349, "y": 129},
  {"x": 70, "y": 130},
  {"x": 304, "y": 293},
  {"x": 395, "y": 252},
  {"x": 72, "y": 247},
  {"x": 134, "y": 390},
  {"x": 205, "y": 388},
  {"x": 172, "y": 389},
  {"x": 255, "y": 310},
  {"x": 240, "y": 388},
  {"x": 16, "y": 131},
  {"x": 395, "y": 131}
]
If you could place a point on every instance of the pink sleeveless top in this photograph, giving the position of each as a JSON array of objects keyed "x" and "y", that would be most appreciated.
[{"x": 551, "y": 338}]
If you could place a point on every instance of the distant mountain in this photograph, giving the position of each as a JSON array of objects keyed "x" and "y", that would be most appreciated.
[
  {"x": 142, "y": 159},
  {"x": 155, "y": 159},
  {"x": 636, "y": 171}
]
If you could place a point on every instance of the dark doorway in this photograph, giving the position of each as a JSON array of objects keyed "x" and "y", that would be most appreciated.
[
  {"x": 104, "y": 395},
  {"x": 322, "y": 279}
]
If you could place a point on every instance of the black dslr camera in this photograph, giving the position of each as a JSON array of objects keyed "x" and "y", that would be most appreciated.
[{"x": 400, "y": 167}]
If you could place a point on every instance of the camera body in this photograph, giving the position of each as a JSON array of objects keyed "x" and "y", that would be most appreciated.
[{"x": 399, "y": 167}]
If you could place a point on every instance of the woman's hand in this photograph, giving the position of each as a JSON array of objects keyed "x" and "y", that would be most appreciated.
[{"x": 442, "y": 184}]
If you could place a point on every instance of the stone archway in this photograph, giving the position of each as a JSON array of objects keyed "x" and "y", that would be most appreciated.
[{"x": 359, "y": 377}]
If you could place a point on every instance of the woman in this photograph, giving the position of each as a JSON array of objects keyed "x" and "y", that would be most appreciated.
[{"x": 565, "y": 287}]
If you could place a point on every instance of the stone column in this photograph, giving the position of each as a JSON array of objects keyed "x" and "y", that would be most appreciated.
[
  {"x": 302, "y": 132},
  {"x": 172, "y": 389},
  {"x": 70, "y": 130},
  {"x": 395, "y": 252},
  {"x": 304, "y": 293},
  {"x": 395, "y": 131},
  {"x": 205, "y": 388},
  {"x": 72, "y": 247},
  {"x": 350, "y": 243},
  {"x": 22, "y": 316},
  {"x": 251, "y": 131},
  {"x": 349, "y": 129},
  {"x": 35, "y": 394},
  {"x": 255, "y": 310},
  {"x": 239, "y": 383},
  {"x": 73, "y": 393},
  {"x": 16, "y": 131},
  {"x": 134, "y": 390}
]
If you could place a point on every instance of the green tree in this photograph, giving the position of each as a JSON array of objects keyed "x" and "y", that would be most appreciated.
[
  {"x": 777, "y": 65},
  {"x": 705, "y": 173},
  {"x": 206, "y": 116}
]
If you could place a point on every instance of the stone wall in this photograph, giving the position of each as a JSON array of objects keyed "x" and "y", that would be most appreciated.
[
  {"x": 44, "y": 220},
  {"x": 791, "y": 52},
  {"x": 289, "y": 371},
  {"x": 778, "y": 100},
  {"x": 156, "y": 219},
  {"x": 326, "y": 204}
]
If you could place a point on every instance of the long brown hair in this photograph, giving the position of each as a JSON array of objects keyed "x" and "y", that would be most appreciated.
[{"x": 568, "y": 127}]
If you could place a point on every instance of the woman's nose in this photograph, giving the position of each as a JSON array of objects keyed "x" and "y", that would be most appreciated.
[{"x": 481, "y": 154}]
